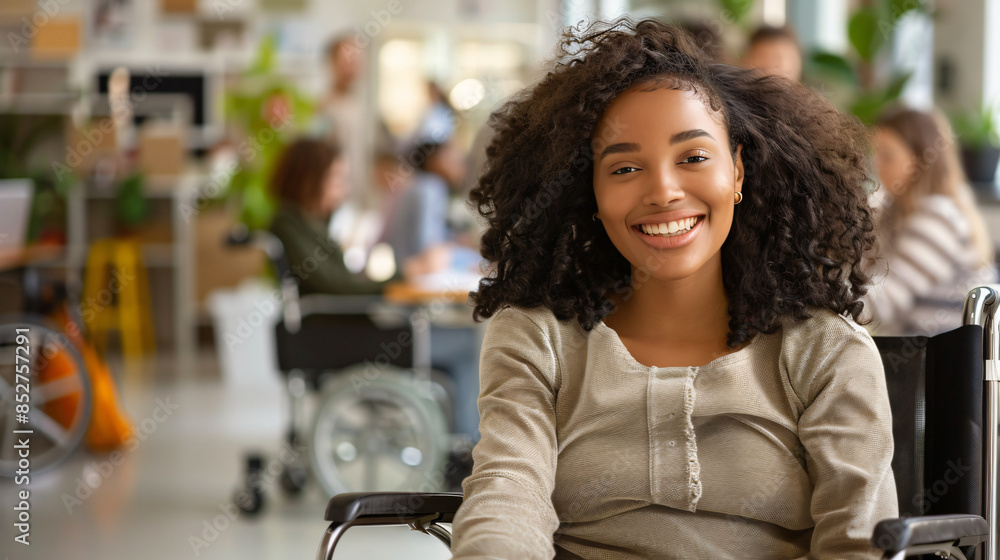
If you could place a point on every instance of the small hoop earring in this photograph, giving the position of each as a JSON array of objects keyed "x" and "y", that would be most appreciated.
[
  {"x": 739, "y": 197},
  {"x": 594, "y": 217}
]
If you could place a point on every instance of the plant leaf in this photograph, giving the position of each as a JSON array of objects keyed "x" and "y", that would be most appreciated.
[
  {"x": 833, "y": 65},
  {"x": 864, "y": 34},
  {"x": 737, "y": 9}
]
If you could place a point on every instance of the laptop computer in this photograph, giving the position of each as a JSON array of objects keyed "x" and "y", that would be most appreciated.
[{"x": 15, "y": 210}]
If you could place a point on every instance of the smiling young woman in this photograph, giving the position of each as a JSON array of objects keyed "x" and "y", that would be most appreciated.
[{"x": 673, "y": 368}]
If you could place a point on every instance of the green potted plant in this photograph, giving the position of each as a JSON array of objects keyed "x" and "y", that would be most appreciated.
[
  {"x": 979, "y": 136},
  {"x": 266, "y": 109},
  {"x": 131, "y": 205},
  {"x": 22, "y": 138},
  {"x": 851, "y": 80}
]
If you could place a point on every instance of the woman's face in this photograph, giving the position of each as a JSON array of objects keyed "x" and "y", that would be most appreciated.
[
  {"x": 335, "y": 186},
  {"x": 894, "y": 161},
  {"x": 665, "y": 181}
]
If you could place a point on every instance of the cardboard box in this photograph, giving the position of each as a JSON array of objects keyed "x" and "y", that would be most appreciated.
[
  {"x": 178, "y": 6},
  {"x": 161, "y": 149},
  {"x": 59, "y": 38},
  {"x": 11, "y": 11},
  {"x": 86, "y": 146}
]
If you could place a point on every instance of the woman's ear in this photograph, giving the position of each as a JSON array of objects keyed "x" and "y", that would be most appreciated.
[{"x": 738, "y": 165}]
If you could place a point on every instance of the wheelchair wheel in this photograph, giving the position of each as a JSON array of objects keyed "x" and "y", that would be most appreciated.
[
  {"x": 50, "y": 397},
  {"x": 382, "y": 433}
]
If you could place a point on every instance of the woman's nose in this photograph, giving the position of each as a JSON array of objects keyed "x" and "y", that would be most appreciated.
[{"x": 663, "y": 187}]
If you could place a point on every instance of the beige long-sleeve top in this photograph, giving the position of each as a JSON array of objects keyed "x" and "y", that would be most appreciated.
[{"x": 779, "y": 450}]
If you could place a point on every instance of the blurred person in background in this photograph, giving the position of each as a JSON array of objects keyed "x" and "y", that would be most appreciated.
[
  {"x": 310, "y": 181},
  {"x": 420, "y": 225},
  {"x": 933, "y": 246},
  {"x": 342, "y": 118},
  {"x": 438, "y": 122},
  {"x": 775, "y": 52},
  {"x": 343, "y": 110}
]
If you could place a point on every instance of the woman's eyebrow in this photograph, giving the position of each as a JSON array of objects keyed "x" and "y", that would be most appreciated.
[
  {"x": 689, "y": 134},
  {"x": 619, "y": 148},
  {"x": 623, "y": 147}
]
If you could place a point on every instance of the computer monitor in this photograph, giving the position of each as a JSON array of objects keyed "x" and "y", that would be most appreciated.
[{"x": 152, "y": 91}]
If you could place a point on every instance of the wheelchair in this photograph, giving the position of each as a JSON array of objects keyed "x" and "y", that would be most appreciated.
[
  {"x": 41, "y": 371},
  {"x": 943, "y": 391},
  {"x": 54, "y": 413},
  {"x": 381, "y": 417}
]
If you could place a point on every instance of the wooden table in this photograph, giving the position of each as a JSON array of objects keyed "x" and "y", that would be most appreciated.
[
  {"x": 11, "y": 259},
  {"x": 409, "y": 294},
  {"x": 424, "y": 304}
]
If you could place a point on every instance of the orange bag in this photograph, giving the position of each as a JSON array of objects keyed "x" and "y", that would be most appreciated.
[
  {"x": 58, "y": 366},
  {"x": 109, "y": 426}
]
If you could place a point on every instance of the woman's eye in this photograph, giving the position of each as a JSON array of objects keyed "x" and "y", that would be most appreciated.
[
  {"x": 624, "y": 170},
  {"x": 694, "y": 159}
]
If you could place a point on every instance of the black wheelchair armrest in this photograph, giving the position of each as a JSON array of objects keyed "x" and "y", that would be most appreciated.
[
  {"x": 898, "y": 534},
  {"x": 421, "y": 511},
  {"x": 359, "y": 507}
]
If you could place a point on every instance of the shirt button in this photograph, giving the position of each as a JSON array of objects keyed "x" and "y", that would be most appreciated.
[{"x": 671, "y": 443}]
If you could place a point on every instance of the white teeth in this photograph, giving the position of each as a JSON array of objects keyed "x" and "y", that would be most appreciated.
[{"x": 678, "y": 226}]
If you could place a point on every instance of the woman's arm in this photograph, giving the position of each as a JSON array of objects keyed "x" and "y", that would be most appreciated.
[
  {"x": 508, "y": 512},
  {"x": 846, "y": 433}
]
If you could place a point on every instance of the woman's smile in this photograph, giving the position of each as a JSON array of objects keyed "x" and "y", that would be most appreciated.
[{"x": 669, "y": 234}]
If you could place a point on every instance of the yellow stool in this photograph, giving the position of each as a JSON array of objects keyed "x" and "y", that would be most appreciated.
[{"x": 116, "y": 297}]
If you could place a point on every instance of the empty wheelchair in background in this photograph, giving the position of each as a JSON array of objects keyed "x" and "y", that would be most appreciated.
[
  {"x": 378, "y": 423},
  {"x": 943, "y": 391},
  {"x": 45, "y": 394}
]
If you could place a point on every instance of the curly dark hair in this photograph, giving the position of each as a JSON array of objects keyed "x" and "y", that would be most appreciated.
[{"x": 797, "y": 242}]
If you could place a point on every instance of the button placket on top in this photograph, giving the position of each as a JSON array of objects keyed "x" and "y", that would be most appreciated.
[{"x": 673, "y": 462}]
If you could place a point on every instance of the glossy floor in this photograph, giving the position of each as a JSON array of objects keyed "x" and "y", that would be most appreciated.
[{"x": 168, "y": 498}]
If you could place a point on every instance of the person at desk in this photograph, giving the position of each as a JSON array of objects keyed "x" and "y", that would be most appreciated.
[
  {"x": 933, "y": 245},
  {"x": 310, "y": 181},
  {"x": 420, "y": 227},
  {"x": 673, "y": 366}
]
